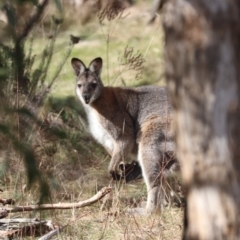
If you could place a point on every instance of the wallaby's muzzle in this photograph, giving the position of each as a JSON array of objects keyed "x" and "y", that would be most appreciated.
[{"x": 86, "y": 98}]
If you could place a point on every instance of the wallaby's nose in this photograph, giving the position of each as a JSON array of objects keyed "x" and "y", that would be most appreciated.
[{"x": 86, "y": 98}]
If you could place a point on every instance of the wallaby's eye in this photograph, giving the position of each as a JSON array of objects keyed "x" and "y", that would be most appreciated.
[
  {"x": 79, "y": 85},
  {"x": 94, "y": 84}
]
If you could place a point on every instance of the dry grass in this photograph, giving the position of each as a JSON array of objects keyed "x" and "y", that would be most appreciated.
[
  {"x": 103, "y": 225},
  {"x": 106, "y": 219}
]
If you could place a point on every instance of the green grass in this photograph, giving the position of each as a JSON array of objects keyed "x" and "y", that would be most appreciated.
[{"x": 131, "y": 31}]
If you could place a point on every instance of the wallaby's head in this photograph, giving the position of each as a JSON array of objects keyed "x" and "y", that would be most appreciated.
[{"x": 89, "y": 85}]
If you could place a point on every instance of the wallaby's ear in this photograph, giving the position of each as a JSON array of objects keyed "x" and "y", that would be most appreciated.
[
  {"x": 78, "y": 66},
  {"x": 96, "y": 65}
]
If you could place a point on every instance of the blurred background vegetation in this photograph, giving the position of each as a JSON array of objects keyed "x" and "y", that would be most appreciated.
[{"x": 46, "y": 152}]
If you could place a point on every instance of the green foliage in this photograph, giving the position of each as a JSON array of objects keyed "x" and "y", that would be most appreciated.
[{"x": 23, "y": 89}]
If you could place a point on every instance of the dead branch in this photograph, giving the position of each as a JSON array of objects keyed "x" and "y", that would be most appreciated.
[
  {"x": 8, "y": 221},
  {"x": 100, "y": 194},
  {"x": 52, "y": 233}
]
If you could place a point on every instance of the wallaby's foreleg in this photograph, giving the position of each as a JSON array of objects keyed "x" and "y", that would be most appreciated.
[{"x": 119, "y": 154}]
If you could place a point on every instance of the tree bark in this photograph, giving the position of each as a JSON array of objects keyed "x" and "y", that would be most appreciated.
[{"x": 203, "y": 68}]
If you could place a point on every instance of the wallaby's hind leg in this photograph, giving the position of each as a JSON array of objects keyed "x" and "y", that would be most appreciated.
[
  {"x": 149, "y": 160},
  {"x": 154, "y": 155}
]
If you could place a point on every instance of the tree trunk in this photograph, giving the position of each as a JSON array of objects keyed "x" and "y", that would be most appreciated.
[{"x": 203, "y": 68}]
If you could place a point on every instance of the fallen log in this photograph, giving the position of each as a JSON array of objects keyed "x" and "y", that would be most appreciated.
[
  {"x": 23, "y": 227},
  {"x": 100, "y": 194}
]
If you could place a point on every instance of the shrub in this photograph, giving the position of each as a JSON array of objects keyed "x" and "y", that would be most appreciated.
[{"x": 24, "y": 87}]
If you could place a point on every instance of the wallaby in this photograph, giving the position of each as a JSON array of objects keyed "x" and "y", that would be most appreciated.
[{"x": 130, "y": 121}]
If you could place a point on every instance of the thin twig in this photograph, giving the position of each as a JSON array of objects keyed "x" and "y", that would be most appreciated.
[{"x": 31, "y": 22}]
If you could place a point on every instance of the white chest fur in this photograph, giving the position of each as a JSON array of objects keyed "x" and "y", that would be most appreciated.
[{"x": 98, "y": 131}]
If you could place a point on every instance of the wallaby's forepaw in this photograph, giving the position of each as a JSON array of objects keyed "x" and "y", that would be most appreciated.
[
  {"x": 128, "y": 172},
  {"x": 116, "y": 176},
  {"x": 112, "y": 168}
]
